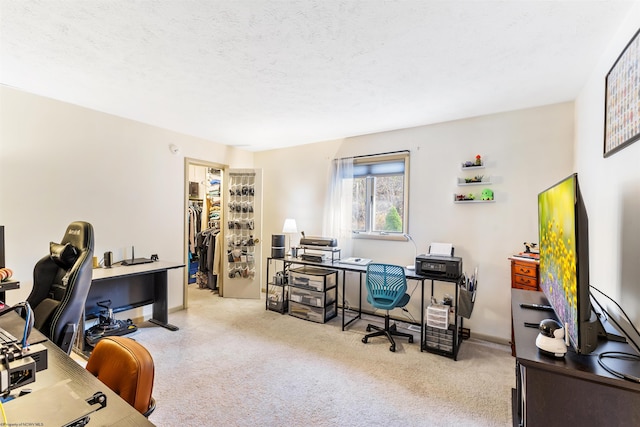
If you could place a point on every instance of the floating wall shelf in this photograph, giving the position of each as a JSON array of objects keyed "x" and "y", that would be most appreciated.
[
  {"x": 470, "y": 168},
  {"x": 485, "y": 181},
  {"x": 472, "y": 201}
]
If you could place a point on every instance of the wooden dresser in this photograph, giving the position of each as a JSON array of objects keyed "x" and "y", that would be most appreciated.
[{"x": 525, "y": 274}]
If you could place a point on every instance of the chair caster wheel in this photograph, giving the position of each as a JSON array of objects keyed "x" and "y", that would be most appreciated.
[
  {"x": 392, "y": 348},
  {"x": 368, "y": 328},
  {"x": 410, "y": 339},
  {"x": 365, "y": 340}
]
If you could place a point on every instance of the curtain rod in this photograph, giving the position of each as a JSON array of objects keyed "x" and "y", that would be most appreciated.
[{"x": 375, "y": 155}]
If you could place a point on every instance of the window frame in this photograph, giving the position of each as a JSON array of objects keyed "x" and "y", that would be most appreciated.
[{"x": 369, "y": 233}]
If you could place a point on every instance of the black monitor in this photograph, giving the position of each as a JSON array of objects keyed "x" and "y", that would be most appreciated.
[{"x": 564, "y": 261}]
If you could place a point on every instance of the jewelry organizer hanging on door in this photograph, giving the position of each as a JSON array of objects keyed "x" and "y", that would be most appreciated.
[{"x": 240, "y": 224}]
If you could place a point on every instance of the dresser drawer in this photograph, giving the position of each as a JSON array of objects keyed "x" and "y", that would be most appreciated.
[
  {"x": 524, "y": 275},
  {"x": 525, "y": 269},
  {"x": 525, "y": 282}
]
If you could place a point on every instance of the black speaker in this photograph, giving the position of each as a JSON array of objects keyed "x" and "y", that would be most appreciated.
[
  {"x": 277, "y": 240},
  {"x": 277, "y": 246},
  {"x": 277, "y": 252},
  {"x": 108, "y": 259}
]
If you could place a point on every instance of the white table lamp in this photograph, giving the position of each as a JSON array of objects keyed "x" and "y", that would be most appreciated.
[{"x": 289, "y": 228}]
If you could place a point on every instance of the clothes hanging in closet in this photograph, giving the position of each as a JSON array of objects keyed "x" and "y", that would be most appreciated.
[
  {"x": 194, "y": 212},
  {"x": 206, "y": 277}
]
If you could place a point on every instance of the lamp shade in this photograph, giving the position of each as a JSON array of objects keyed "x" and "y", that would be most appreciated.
[{"x": 289, "y": 226}]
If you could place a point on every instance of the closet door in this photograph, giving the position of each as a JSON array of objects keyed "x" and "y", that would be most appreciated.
[{"x": 241, "y": 250}]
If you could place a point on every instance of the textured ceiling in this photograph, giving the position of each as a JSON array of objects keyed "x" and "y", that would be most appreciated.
[{"x": 266, "y": 74}]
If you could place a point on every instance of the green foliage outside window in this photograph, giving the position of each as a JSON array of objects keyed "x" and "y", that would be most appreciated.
[{"x": 393, "y": 220}]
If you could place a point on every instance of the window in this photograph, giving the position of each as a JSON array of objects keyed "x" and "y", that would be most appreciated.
[{"x": 380, "y": 194}]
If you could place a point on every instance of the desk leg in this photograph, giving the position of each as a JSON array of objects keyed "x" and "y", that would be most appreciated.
[
  {"x": 343, "y": 286},
  {"x": 422, "y": 317},
  {"x": 359, "y": 315},
  {"x": 160, "y": 305},
  {"x": 360, "y": 297}
]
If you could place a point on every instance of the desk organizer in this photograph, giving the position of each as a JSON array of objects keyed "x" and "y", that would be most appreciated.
[
  {"x": 277, "y": 298},
  {"x": 439, "y": 339},
  {"x": 438, "y": 316}
]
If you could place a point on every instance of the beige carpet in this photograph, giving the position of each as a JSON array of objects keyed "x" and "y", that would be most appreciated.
[{"x": 232, "y": 363}]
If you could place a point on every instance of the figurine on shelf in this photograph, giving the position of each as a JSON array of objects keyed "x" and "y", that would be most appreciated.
[
  {"x": 478, "y": 160},
  {"x": 487, "y": 194},
  {"x": 477, "y": 178}
]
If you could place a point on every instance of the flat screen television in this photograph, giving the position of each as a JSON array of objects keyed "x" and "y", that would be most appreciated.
[{"x": 564, "y": 261}]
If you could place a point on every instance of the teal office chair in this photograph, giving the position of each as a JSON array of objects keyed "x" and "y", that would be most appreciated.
[{"x": 386, "y": 290}]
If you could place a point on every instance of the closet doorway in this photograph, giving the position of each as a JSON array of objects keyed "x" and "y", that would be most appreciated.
[{"x": 204, "y": 201}]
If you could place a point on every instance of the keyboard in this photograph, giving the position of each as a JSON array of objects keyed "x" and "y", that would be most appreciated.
[{"x": 7, "y": 338}]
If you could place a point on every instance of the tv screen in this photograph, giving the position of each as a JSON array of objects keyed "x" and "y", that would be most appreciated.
[{"x": 564, "y": 261}]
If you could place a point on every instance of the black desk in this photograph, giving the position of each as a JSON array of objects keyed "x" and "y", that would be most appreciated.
[
  {"x": 128, "y": 287},
  {"x": 8, "y": 285},
  {"x": 63, "y": 380},
  {"x": 574, "y": 390},
  {"x": 360, "y": 269},
  {"x": 132, "y": 286}
]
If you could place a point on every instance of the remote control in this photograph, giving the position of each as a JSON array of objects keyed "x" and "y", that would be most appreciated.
[{"x": 537, "y": 307}]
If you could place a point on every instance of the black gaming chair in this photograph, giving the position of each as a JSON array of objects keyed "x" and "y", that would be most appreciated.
[{"x": 61, "y": 282}]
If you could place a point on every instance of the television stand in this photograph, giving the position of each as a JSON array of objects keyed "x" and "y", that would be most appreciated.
[{"x": 574, "y": 390}]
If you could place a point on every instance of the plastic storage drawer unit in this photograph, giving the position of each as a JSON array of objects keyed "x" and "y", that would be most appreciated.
[
  {"x": 318, "y": 279},
  {"x": 439, "y": 339},
  {"x": 314, "y": 298},
  {"x": 315, "y": 314},
  {"x": 313, "y": 293},
  {"x": 438, "y": 316}
]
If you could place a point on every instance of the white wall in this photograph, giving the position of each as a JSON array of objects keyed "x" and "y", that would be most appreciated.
[
  {"x": 484, "y": 235},
  {"x": 610, "y": 186},
  {"x": 60, "y": 163}
]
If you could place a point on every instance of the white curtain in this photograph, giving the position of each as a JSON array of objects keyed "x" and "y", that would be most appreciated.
[{"x": 338, "y": 209}]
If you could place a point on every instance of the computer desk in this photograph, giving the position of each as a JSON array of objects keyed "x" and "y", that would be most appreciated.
[
  {"x": 64, "y": 380},
  {"x": 360, "y": 269},
  {"x": 8, "y": 285},
  {"x": 131, "y": 286}
]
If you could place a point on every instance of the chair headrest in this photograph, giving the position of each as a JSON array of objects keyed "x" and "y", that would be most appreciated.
[
  {"x": 80, "y": 235},
  {"x": 63, "y": 255}
]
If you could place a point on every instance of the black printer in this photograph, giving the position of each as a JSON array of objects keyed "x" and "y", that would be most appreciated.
[{"x": 439, "y": 266}]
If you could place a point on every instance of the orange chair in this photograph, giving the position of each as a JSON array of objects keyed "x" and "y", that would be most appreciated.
[{"x": 126, "y": 367}]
